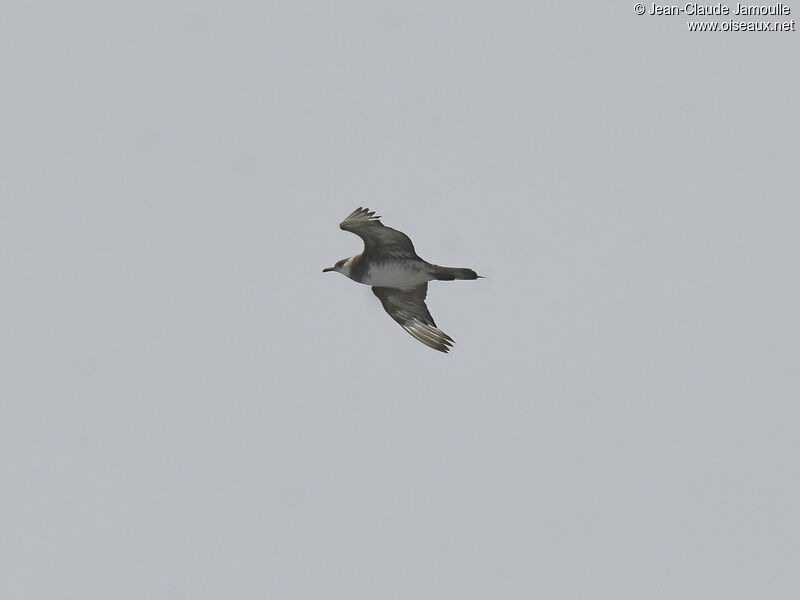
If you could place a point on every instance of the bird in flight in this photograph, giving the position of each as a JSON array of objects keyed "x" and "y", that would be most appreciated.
[{"x": 399, "y": 278}]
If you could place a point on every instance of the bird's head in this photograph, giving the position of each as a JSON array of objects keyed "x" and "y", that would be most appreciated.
[{"x": 343, "y": 267}]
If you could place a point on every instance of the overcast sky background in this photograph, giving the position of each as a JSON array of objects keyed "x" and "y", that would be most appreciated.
[{"x": 191, "y": 409}]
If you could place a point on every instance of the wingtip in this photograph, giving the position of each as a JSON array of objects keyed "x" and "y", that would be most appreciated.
[
  {"x": 431, "y": 336},
  {"x": 361, "y": 214}
]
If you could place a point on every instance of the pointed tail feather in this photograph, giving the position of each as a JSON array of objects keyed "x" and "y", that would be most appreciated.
[{"x": 450, "y": 273}]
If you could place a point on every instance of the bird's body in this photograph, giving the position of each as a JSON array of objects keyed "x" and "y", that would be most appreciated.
[
  {"x": 401, "y": 273},
  {"x": 399, "y": 278}
]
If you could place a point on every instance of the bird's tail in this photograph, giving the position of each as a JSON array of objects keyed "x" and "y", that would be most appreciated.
[{"x": 450, "y": 273}]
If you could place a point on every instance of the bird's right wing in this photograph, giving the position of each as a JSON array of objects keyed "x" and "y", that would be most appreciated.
[
  {"x": 407, "y": 307},
  {"x": 380, "y": 242}
]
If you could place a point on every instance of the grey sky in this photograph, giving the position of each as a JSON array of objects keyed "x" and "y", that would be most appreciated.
[{"x": 189, "y": 408}]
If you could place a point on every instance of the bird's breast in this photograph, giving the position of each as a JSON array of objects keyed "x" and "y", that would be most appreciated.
[{"x": 396, "y": 274}]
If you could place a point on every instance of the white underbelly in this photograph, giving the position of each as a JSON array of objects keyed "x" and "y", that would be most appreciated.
[{"x": 396, "y": 275}]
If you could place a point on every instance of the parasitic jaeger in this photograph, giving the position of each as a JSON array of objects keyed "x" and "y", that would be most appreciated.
[{"x": 399, "y": 278}]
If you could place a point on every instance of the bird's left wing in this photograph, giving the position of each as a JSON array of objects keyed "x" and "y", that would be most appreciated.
[
  {"x": 407, "y": 307},
  {"x": 379, "y": 241}
]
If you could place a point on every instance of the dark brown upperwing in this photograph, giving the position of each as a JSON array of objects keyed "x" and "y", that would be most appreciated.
[
  {"x": 408, "y": 308},
  {"x": 379, "y": 241}
]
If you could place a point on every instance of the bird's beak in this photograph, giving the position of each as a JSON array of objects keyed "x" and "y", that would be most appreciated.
[{"x": 328, "y": 269}]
